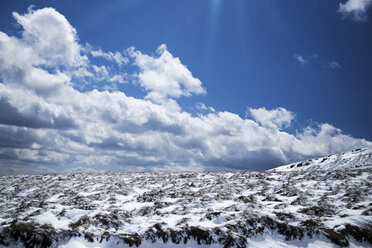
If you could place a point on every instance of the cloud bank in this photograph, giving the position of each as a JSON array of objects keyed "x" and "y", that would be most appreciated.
[{"x": 56, "y": 115}]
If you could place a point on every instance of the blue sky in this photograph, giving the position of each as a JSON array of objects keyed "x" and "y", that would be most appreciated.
[{"x": 297, "y": 71}]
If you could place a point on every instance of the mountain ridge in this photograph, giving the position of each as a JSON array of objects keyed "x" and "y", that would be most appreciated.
[{"x": 356, "y": 159}]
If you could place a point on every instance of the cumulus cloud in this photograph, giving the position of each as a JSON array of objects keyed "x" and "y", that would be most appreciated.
[
  {"x": 355, "y": 8},
  {"x": 276, "y": 118},
  {"x": 57, "y": 46},
  {"x": 48, "y": 121},
  {"x": 45, "y": 54},
  {"x": 300, "y": 59},
  {"x": 165, "y": 76}
]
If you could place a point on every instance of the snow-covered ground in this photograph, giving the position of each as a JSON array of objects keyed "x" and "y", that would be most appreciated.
[
  {"x": 208, "y": 209},
  {"x": 356, "y": 159}
]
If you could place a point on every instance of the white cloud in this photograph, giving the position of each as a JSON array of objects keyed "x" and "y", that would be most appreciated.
[
  {"x": 110, "y": 56},
  {"x": 203, "y": 107},
  {"x": 330, "y": 64},
  {"x": 59, "y": 45},
  {"x": 100, "y": 70},
  {"x": 103, "y": 74},
  {"x": 324, "y": 138},
  {"x": 334, "y": 65},
  {"x": 356, "y": 8},
  {"x": 117, "y": 79},
  {"x": 48, "y": 42},
  {"x": 165, "y": 76},
  {"x": 300, "y": 59},
  {"x": 49, "y": 121},
  {"x": 276, "y": 118}
]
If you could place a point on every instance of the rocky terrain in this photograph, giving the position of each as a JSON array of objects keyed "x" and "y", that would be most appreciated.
[{"x": 281, "y": 207}]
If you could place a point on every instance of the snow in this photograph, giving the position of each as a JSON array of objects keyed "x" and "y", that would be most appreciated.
[
  {"x": 53, "y": 198},
  {"x": 360, "y": 158},
  {"x": 264, "y": 241},
  {"x": 272, "y": 241},
  {"x": 130, "y": 206},
  {"x": 247, "y": 207},
  {"x": 50, "y": 218},
  {"x": 79, "y": 242}
]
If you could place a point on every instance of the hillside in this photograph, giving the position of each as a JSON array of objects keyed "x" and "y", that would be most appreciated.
[{"x": 356, "y": 159}]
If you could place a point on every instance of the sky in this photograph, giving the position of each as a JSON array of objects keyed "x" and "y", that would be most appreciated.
[{"x": 181, "y": 85}]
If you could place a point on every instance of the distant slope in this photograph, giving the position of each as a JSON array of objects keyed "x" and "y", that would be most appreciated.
[{"x": 359, "y": 158}]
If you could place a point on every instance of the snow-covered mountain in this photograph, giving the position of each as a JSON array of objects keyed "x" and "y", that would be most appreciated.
[{"x": 359, "y": 158}]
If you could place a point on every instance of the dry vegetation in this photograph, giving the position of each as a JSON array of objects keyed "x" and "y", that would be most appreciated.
[{"x": 210, "y": 207}]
